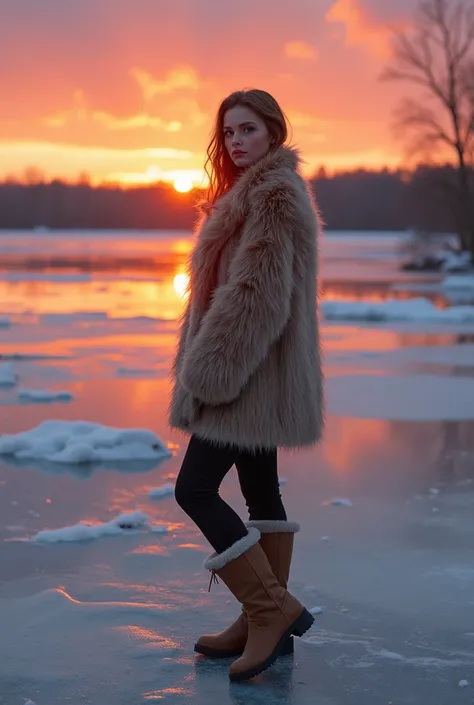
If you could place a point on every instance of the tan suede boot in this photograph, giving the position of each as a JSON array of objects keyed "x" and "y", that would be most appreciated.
[
  {"x": 277, "y": 541},
  {"x": 273, "y": 614}
]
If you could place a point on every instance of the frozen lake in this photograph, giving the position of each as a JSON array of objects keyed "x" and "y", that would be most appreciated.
[{"x": 88, "y": 326}]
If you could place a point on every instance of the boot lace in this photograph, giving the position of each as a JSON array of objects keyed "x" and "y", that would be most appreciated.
[{"x": 213, "y": 580}]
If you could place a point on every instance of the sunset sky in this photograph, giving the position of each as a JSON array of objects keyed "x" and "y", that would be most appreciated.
[{"x": 126, "y": 90}]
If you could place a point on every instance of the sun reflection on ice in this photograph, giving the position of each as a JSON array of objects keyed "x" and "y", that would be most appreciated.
[{"x": 148, "y": 635}]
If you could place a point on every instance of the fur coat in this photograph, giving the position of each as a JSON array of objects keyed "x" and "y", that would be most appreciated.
[{"x": 248, "y": 365}]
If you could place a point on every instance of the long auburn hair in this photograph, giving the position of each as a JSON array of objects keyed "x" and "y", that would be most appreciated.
[{"x": 219, "y": 167}]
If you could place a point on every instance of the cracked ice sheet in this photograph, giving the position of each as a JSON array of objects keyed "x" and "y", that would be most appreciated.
[
  {"x": 393, "y": 584},
  {"x": 114, "y": 621}
]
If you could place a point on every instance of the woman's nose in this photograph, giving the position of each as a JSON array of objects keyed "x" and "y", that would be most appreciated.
[{"x": 236, "y": 141}]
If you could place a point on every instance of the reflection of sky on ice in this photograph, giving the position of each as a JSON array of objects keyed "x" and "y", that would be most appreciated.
[{"x": 113, "y": 620}]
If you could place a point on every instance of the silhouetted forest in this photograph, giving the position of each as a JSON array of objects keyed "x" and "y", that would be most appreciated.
[{"x": 359, "y": 200}]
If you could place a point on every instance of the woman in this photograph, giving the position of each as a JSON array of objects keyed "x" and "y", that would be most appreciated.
[{"x": 247, "y": 372}]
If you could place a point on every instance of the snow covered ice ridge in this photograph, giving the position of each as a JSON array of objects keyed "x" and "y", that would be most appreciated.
[
  {"x": 161, "y": 492},
  {"x": 7, "y": 377},
  {"x": 457, "y": 261},
  {"x": 75, "y": 442},
  {"x": 43, "y": 395},
  {"x": 87, "y": 532},
  {"x": 420, "y": 309}
]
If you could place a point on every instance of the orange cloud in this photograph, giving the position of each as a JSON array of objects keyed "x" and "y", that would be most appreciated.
[
  {"x": 178, "y": 78},
  {"x": 100, "y": 110},
  {"x": 134, "y": 122},
  {"x": 104, "y": 164},
  {"x": 300, "y": 50},
  {"x": 361, "y": 29},
  {"x": 81, "y": 113}
]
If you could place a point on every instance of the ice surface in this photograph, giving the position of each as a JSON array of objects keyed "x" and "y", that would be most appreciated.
[
  {"x": 461, "y": 355},
  {"x": 82, "y": 442},
  {"x": 459, "y": 282},
  {"x": 161, "y": 492},
  {"x": 420, "y": 310},
  {"x": 136, "y": 372},
  {"x": 43, "y": 395},
  {"x": 114, "y": 621},
  {"x": 64, "y": 319},
  {"x": 7, "y": 377},
  {"x": 456, "y": 355},
  {"x": 32, "y": 357},
  {"x": 87, "y": 532},
  {"x": 45, "y": 276},
  {"x": 408, "y": 397}
]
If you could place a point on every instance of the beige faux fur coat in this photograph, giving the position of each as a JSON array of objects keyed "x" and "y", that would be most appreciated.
[{"x": 248, "y": 367}]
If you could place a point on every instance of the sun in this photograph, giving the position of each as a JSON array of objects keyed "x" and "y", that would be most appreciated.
[{"x": 183, "y": 183}]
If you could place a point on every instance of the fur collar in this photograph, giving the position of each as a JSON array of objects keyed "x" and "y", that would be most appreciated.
[
  {"x": 219, "y": 223},
  {"x": 285, "y": 157}
]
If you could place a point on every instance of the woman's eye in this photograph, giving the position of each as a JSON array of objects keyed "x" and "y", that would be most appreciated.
[
  {"x": 227, "y": 133},
  {"x": 248, "y": 129}
]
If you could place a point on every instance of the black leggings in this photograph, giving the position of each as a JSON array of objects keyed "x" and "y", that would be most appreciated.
[{"x": 197, "y": 489}]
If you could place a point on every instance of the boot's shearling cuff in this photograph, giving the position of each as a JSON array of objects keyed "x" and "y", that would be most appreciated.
[
  {"x": 274, "y": 527},
  {"x": 218, "y": 560}
]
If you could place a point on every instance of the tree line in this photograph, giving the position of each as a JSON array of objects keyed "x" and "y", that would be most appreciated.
[{"x": 357, "y": 200}]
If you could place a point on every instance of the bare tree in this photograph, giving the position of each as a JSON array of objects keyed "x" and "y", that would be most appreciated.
[{"x": 437, "y": 54}]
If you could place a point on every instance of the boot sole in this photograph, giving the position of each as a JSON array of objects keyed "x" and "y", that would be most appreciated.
[
  {"x": 287, "y": 649},
  {"x": 299, "y": 627}
]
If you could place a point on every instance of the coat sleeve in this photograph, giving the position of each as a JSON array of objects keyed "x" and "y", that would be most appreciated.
[
  {"x": 248, "y": 313},
  {"x": 184, "y": 326}
]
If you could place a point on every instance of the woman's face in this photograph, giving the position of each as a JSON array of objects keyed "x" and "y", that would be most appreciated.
[{"x": 246, "y": 136}]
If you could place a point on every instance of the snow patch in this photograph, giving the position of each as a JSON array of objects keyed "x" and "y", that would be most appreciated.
[
  {"x": 456, "y": 261},
  {"x": 338, "y": 502},
  {"x": 7, "y": 377},
  {"x": 88, "y": 532},
  {"x": 43, "y": 395},
  {"x": 394, "y": 310},
  {"x": 458, "y": 282},
  {"x": 161, "y": 492},
  {"x": 423, "y": 661},
  {"x": 316, "y": 610},
  {"x": 459, "y": 573},
  {"x": 463, "y": 683},
  {"x": 72, "y": 442}
]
